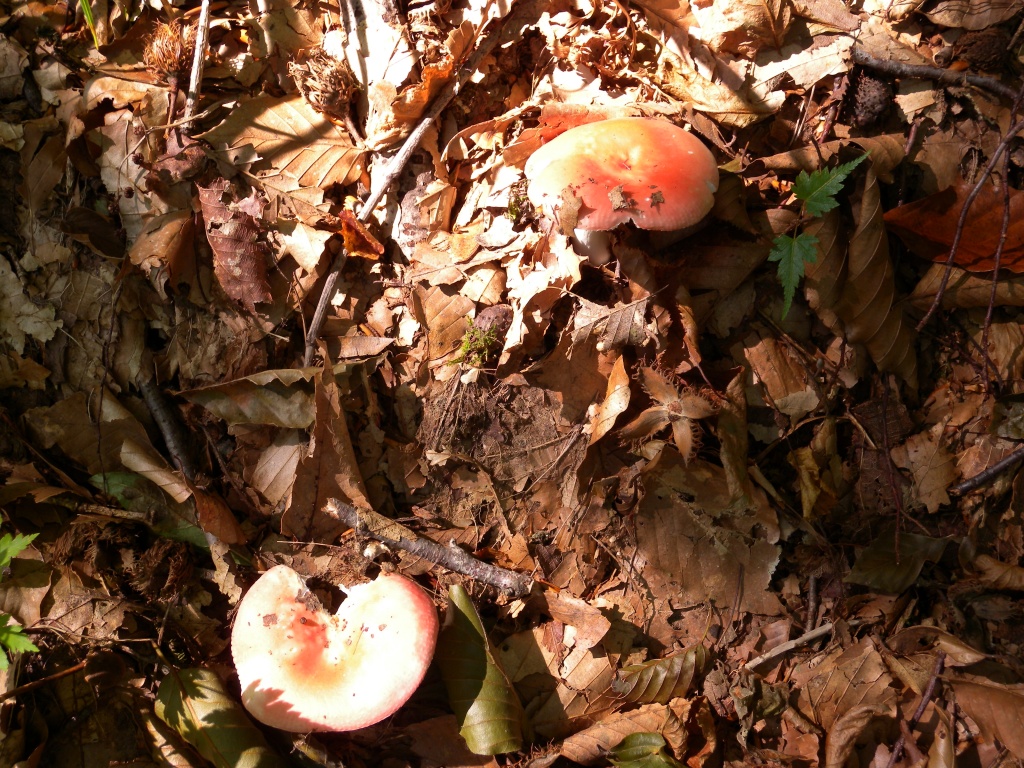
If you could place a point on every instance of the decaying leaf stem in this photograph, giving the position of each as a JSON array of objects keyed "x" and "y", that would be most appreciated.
[
  {"x": 452, "y": 557},
  {"x": 491, "y": 36}
]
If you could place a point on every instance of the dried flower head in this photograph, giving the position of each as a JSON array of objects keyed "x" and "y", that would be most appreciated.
[
  {"x": 170, "y": 50},
  {"x": 674, "y": 406}
]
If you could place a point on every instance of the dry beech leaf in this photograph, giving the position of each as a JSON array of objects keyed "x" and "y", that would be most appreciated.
[
  {"x": 931, "y": 465},
  {"x": 887, "y": 151},
  {"x": 617, "y": 326},
  {"x": 861, "y": 305},
  {"x": 972, "y": 14},
  {"x": 673, "y": 12},
  {"x": 591, "y": 745},
  {"x": 927, "y": 227},
  {"x": 293, "y": 139},
  {"x": 744, "y": 27},
  {"x": 282, "y": 398},
  {"x": 998, "y": 574},
  {"x": 965, "y": 290},
  {"x": 661, "y": 680}
]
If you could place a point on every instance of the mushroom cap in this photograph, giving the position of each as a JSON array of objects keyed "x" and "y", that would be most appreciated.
[
  {"x": 637, "y": 169},
  {"x": 302, "y": 669}
]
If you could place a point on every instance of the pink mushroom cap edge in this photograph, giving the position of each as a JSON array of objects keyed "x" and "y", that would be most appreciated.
[
  {"x": 644, "y": 170},
  {"x": 302, "y": 669}
]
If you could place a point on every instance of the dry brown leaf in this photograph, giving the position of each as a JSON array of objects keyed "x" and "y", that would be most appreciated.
[
  {"x": 240, "y": 248},
  {"x": 928, "y": 227},
  {"x": 329, "y": 470},
  {"x": 842, "y": 736},
  {"x": 292, "y": 139},
  {"x": 702, "y": 550},
  {"x": 788, "y": 385},
  {"x": 446, "y": 316},
  {"x": 615, "y": 402},
  {"x": 931, "y": 465},
  {"x": 737, "y": 109},
  {"x": 845, "y": 679},
  {"x": 997, "y": 574},
  {"x": 965, "y": 290},
  {"x": 744, "y": 27},
  {"x": 674, "y": 12},
  {"x": 215, "y": 518},
  {"x": 887, "y": 151},
  {"x": 592, "y": 744},
  {"x": 866, "y": 301},
  {"x": 997, "y": 709},
  {"x": 20, "y": 317},
  {"x": 616, "y": 326},
  {"x": 972, "y": 14}
]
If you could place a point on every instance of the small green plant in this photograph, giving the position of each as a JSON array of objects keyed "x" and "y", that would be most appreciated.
[
  {"x": 476, "y": 347},
  {"x": 12, "y": 637},
  {"x": 793, "y": 252}
]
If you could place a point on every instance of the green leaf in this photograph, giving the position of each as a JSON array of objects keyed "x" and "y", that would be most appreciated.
[
  {"x": 485, "y": 703},
  {"x": 13, "y": 639},
  {"x": 195, "y": 703},
  {"x": 642, "y": 750},
  {"x": 792, "y": 253},
  {"x": 818, "y": 190},
  {"x": 12, "y": 546},
  {"x": 661, "y": 680}
]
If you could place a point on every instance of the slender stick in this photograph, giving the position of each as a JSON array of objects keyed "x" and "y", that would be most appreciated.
[
  {"x": 962, "y": 220},
  {"x": 393, "y": 171},
  {"x": 926, "y": 696},
  {"x": 783, "y": 648},
  {"x": 988, "y": 474},
  {"x": 925, "y": 72},
  {"x": 451, "y": 557},
  {"x": 42, "y": 681},
  {"x": 198, "y": 62}
]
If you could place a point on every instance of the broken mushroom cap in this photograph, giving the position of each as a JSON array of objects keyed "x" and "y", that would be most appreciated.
[
  {"x": 302, "y": 669},
  {"x": 637, "y": 169}
]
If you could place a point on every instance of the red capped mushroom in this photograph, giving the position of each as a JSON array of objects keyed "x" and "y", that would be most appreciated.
[
  {"x": 302, "y": 669},
  {"x": 633, "y": 169}
]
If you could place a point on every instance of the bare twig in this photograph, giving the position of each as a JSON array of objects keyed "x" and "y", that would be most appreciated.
[
  {"x": 42, "y": 681},
  {"x": 1003, "y": 145},
  {"x": 451, "y": 557},
  {"x": 198, "y": 62},
  {"x": 781, "y": 650},
  {"x": 988, "y": 474},
  {"x": 926, "y": 696},
  {"x": 925, "y": 72},
  {"x": 171, "y": 427},
  {"x": 998, "y": 259},
  {"x": 393, "y": 171},
  {"x": 812, "y": 604}
]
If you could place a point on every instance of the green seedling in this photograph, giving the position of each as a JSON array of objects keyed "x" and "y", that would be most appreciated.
[
  {"x": 794, "y": 251},
  {"x": 12, "y": 634}
]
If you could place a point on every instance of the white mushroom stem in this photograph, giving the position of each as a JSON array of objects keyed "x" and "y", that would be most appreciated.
[{"x": 595, "y": 244}]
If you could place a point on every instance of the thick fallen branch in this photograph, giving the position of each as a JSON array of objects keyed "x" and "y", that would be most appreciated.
[{"x": 451, "y": 557}]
